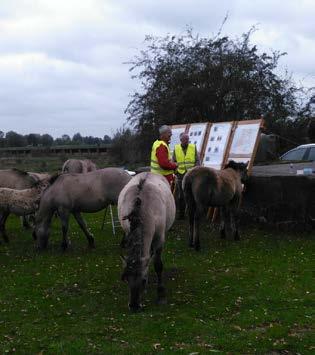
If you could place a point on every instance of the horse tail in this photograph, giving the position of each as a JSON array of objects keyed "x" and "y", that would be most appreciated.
[
  {"x": 134, "y": 237},
  {"x": 188, "y": 193}
]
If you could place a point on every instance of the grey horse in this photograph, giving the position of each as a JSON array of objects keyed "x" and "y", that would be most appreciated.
[
  {"x": 14, "y": 179},
  {"x": 21, "y": 202},
  {"x": 146, "y": 210},
  {"x": 76, "y": 193},
  {"x": 78, "y": 166}
]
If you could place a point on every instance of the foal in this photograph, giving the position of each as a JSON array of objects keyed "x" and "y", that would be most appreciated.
[{"x": 205, "y": 187}]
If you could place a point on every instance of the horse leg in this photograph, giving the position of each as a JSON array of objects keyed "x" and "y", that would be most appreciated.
[
  {"x": 3, "y": 219},
  {"x": 228, "y": 232},
  {"x": 197, "y": 217},
  {"x": 191, "y": 217},
  {"x": 234, "y": 224},
  {"x": 158, "y": 266},
  {"x": 222, "y": 223},
  {"x": 83, "y": 226},
  {"x": 64, "y": 217}
]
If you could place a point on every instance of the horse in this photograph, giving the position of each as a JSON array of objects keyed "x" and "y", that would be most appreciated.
[
  {"x": 20, "y": 202},
  {"x": 146, "y": 211},
  {"x": 16, "y": 179},
  {"x": 78, "y": 166},
  {"x": 76, "y": 193},
  {"x": 206, "y": 187}
]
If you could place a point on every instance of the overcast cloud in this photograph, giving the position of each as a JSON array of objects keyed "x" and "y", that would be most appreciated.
[{"x": 61, "y": 61}]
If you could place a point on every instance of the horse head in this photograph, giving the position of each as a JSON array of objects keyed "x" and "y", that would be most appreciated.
[
  {"x": 135, "y": 273},
  {"x": 241, "y": 168}
]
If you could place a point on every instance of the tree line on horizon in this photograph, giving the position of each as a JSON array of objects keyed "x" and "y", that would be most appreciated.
[{"x": 14, "y": 139}]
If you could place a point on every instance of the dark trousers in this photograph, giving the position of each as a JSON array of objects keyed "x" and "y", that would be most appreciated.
[{"x": 179, "y": 195}]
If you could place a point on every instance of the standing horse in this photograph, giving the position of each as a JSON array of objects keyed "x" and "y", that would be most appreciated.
[
  {"x": 15, "y": 179},
  {"x": 205, "y": 187},
  {"x": 146, "y": 211},
  {"x": 20, "y": 202},
  {"x": 76, "y": 193},
  {"x": 78, "y": 166}
]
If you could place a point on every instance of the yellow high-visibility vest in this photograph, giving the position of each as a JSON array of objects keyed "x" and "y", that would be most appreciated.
[
  {"x": 185, "y": 161},
  {"x": 155, "y": 167}
]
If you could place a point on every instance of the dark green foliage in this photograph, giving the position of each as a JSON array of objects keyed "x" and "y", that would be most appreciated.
[{"x": 188, "y": 78}]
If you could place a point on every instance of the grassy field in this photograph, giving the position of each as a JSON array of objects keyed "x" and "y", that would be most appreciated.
[{"x": 253, "y": 296}]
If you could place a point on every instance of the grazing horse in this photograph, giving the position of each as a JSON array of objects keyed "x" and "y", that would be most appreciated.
[
  {"x": 146, "y": 211},
  {"x": 76, "y": 193},
  {"x": 16, "y": 179},
  {"x": 20, "y": 202},
  {"x": 78, "y": 166},
  {"x": 205, "y": 187}
]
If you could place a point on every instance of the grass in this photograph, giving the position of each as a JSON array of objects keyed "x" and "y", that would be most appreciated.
[{"x": 254, "y": 296}]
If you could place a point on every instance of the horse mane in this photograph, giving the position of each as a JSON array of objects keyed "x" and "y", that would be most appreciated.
[
  {"x": 20, "y": 172},
  {"x": 235, "y": 166},
  {"x": 53, "y": 178},
  {"x": 134, "y": 239}
]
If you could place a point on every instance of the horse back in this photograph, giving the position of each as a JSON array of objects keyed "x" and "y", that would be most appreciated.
[{"x": 209, "y": 187}]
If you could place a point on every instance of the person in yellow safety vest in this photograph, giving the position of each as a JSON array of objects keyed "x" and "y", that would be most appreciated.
[
  {"x": 186, "y": 156},
  {"x": 161, "y": 156}
]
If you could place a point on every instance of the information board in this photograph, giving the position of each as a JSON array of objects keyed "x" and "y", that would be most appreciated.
[
  {"x": 216, "y": 144},
  {"x": 176, "y": 132},
  {"x": 197, "y": 132},
  {"x": 244, "y": 141}
]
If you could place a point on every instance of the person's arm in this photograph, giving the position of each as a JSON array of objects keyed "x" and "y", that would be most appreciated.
[
  {"x": 162, "y": 157},
  {"x": 174, "y": 157}
]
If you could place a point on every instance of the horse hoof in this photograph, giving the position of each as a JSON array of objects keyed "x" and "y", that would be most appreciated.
[
  {"x": 197, "y": 247},
  {"x": 135, "y": 308},
  {"x": 161, "y": 301},
  {"x": 92, "y": 244},
  {"x": 64, "y": 246}
]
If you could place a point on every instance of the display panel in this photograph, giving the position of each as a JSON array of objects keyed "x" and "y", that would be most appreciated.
[
  {"x": 216, "y": 144},
  {"x": 196, "y": 134}
]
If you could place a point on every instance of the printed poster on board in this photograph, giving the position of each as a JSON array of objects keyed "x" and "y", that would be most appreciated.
[
  {"x": 244, "y": 141},
  {"x": 176, "y": 132},
  {"x": 216, "y": 144},
  {"x": 196, "y": 134}
]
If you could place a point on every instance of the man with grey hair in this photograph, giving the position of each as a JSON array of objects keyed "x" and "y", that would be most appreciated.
[
  {"x": 186, "y": 156},
  {"x": 161, "y": 156}
]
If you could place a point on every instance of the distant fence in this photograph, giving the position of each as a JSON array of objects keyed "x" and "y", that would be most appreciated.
[{"x": 56, "y": 150}]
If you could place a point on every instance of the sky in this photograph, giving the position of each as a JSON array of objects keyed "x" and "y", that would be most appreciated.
[{"x": 62, "y": 62}]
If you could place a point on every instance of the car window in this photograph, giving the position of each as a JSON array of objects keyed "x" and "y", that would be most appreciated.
[
  {"x": 296, "y": 154},
  {"x": 311, "y": 155}
]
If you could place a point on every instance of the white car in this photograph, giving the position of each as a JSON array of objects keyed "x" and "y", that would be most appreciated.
[{"x": 305, "y": 152}]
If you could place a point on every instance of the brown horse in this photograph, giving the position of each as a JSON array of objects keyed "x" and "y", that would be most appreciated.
[
  {"x": 205, "y": 187},
  {"x": 146, "y": 211}
]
